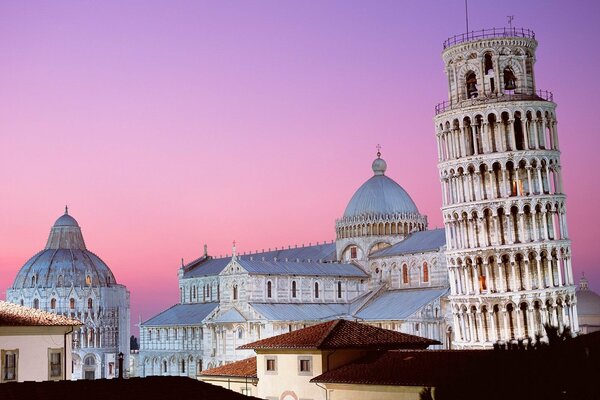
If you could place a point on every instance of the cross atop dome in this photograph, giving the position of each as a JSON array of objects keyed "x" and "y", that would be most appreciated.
[
  {"x": 66, "y": 210},
  {"x": 378, "y": 150}
]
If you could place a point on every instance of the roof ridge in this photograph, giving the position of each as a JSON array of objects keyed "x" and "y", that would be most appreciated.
[
  {"x": 329, "y": 332},
  {"x": 369, "y": 299}
]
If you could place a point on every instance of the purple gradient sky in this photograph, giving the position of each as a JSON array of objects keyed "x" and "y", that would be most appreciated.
[{"x": 167, "y": 125}]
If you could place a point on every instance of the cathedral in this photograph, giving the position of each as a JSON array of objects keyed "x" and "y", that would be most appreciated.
[
  {"x": 497, "y": 272},
  {"x": 385, "y": 268},
  {"x": 66, "y": 278}
]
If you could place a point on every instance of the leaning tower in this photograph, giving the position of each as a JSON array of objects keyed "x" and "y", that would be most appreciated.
[{"x": 508, "y": 250}]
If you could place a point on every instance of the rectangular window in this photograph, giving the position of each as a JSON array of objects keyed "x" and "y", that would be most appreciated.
[
  {"x": 9, "y": 361},
  {"x": 304, "y": 365},
  {"x": 271, "y": 364},
  {"x": 55, "y": 364},
  {"x": 353, "y": 252}
]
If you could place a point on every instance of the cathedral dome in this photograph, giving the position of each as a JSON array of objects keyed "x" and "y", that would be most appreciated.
[
  {"x": 380, "y": 195},
  {"x": 65, "y": 261}
]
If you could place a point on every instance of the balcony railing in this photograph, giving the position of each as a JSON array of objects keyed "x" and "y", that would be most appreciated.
[
  {"x": 444, "y": 106},
  {"x": 489, "y": 33}
]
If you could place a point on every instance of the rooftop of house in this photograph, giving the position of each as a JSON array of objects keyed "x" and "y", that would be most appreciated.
[
  {"x": 150, "y": 388},
  {"x": 16, "y": 315},
  {"x": 405, "y": 367},
  {"x": 244, "y": 368},
  {"x": 342, "y": 334}
]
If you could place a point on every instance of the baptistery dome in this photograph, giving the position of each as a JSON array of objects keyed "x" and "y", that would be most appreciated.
[
  {"x": 65, "y": 261},
  {"x": 67, "y": 279}
]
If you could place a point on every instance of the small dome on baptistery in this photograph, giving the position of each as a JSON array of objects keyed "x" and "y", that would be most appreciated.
[
  {"x": 380, "y": 195},
  {"x": 65, "y": 261},
  {"x": 66, "y": 219}
]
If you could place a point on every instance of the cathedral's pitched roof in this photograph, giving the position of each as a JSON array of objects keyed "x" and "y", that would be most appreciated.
[
  {"x": 16, "y": 315},
  {"x": 323, "y": 252},
  {"x": 208, "y": 266},
  {"x": 300, "y": 311},
  {"x": 182, "y": 314},
  {"x": 278, "y": 267},
  {"x": 398, "y": 304},
  {"x": 243, "y": 368},
  {"x": 416, "y": 242},
  {"x": 231, "y": 315},
  {"x": 342, "y": 334}
]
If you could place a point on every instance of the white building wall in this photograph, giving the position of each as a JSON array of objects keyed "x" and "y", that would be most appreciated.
[{"x": 32, "y": 344}]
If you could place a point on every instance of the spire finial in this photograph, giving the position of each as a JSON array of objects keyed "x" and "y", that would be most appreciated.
[
  {"x": 66, "y": 210},
  {"x": 233, "y": 249},
  {"x": 378, "y": 150}
]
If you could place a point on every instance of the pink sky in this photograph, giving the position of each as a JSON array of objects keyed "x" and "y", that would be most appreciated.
[{"x": 167, "y": 125}]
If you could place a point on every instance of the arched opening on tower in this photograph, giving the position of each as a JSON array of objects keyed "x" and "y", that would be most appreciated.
[
  {"x": 514, "y": 222},
  {"x": 471, "y": 82},
  {"x": 501, "y": 225},
  {"x": 523, "y": 307},
  {"x": 506, "y": 132},
  {"x": 512, "y": 181},
  {"x": 510, "y": 81},
  {"x": 511, "y": 323},
  {"x": 468, "y": 136},
  {"x": 519, "y": 134},
  {"x": 491, "y": 129},
  {"x": 488, "y": 66}
]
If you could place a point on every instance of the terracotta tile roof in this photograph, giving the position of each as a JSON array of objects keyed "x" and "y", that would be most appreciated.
[
  {"x": 407, "y": 367},
  {"x": 242, "y": 368},
  {"x": 16, "y": 315},
  {"x": 342, "y": 334},
  {"x": 150, "y": 388}
]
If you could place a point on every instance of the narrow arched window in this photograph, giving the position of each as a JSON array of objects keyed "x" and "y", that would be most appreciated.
[
  {"x": 183, "y": 366},
  {"x": 339, "y": 289},
  {"x": 53, "y": 304},
  {"x": 90, "y": 303},
  {"x": 235, "y": 292},
  {"x": 164, "y": 366},
  {"x": 36, "y": 303},
  {"x": 316, "y": 290},
  {"x": 88, "y": 280},
  {"x": 60, "y": 281},
  {"x": 425, "y": 272},
  {"x": 293, "y": 288},
  {"x": 269, "y": 290},
  {"x": 33, "y": 281},
  {"x": 405, "y": 274},
  {"x": 240, "y": 333},
  {"x": 72, "y": 303}
]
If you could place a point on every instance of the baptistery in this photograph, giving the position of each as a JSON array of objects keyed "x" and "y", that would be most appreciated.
[{"x": 67, "y": 279}]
